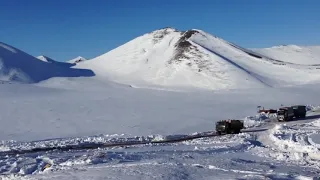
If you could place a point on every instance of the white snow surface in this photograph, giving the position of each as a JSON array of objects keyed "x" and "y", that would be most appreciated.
[
  {"x": 170, "y": 58},
  {"x": 293, "y": 54},
  {"x": 153, "y": 89},
  {"x": 75, "y": 111}
]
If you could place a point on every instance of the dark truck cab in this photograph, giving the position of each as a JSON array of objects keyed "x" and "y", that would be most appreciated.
[
  {"x": 285, "y": 114},
  {"x": 229, "y": 126}
]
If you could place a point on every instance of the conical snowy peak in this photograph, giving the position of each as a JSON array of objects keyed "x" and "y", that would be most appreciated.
[
  {"x": 195, "y": 58},
  {"x": 77, "y": 60},
  {"x": 158, "y": 35}
]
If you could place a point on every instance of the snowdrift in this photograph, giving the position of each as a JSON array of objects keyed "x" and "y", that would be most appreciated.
[
  {"x": 296, "y": 142},
  {"x": 194, "y": 58},
  {"x": 18, "y": 66}
]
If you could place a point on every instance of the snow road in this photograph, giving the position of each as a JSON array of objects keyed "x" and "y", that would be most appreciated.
[
  {"x": 62, "y": 112},
  {"x": 248, "y": 155}
]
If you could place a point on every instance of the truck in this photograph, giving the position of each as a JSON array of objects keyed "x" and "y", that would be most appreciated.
[
  {"x": 229, "y": 126},
  {"x": 267, "y": 111},
  {"x": 299, "y": 111},
  {"x": 285, "y": 114}
]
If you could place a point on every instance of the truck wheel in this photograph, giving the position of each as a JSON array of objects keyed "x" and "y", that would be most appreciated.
[{"x": 219, "y": 133}]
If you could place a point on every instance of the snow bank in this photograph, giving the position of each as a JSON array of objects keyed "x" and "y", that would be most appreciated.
[
  {"x": 294, "y": 141},
  {"x": 19, "y": 66},
  {"x": 316, "y": 123}
]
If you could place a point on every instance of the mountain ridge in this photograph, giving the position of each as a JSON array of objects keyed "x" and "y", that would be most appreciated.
[{"x": 170, "y": 57}]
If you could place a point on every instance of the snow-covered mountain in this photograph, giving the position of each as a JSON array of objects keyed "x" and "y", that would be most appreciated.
[
  {"x": 77, "y": 60},
  {"x": 194, "y": 58},
  {"x": 46, "y": 59},
  {"x": 80, "y": 113},
  {"x": 293, "y": 53},
  {"x": 18, "y": 66},
  {"x": 50, "y": 60}
]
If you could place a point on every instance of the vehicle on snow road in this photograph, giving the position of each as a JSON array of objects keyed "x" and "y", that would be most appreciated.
[
  {"x": 288, "y": 113},
  {"x": 229, "y": 126},
  {"x": 299, "y": 111},
  {"x": 285, "y": 114}
]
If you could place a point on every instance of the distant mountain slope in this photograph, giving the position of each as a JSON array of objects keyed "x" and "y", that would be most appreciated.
[
  {"x": 194, "y": 58},
  {"x": 77, "y": 60},
  {"x": 50, "y": 60},
  {"x": 293, "y": 53},
  {"x": 18, "y": 66},
  {"x": 46, "y": 59}
]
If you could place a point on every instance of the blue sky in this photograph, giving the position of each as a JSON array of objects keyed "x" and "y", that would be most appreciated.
[{"x": 66, "y": 29}]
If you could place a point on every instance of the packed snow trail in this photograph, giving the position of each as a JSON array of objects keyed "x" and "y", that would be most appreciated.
[
  {"x": 141, "y": 140},
  {"x": 87, "y": 146},
  {"x": 229, "y": 156},
  {"x": 243, "y": 155}
]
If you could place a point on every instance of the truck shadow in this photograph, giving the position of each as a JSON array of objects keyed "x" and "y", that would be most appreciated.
[
  {"x": 307, "y": 118},
  {"x": 254, "y": 130}
]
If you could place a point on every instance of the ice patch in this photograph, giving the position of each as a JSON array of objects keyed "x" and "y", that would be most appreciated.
[{"x": 314, "y": 139}]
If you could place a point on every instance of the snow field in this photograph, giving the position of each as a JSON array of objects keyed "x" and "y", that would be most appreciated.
[
  {"x": 150, "y": 89},
  {"x": 245, "y": 155}
]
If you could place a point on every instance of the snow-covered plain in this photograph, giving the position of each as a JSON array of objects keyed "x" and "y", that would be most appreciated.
[
  {"x": 63, "y": 111},
  {"x": 162, "y": 85}
]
